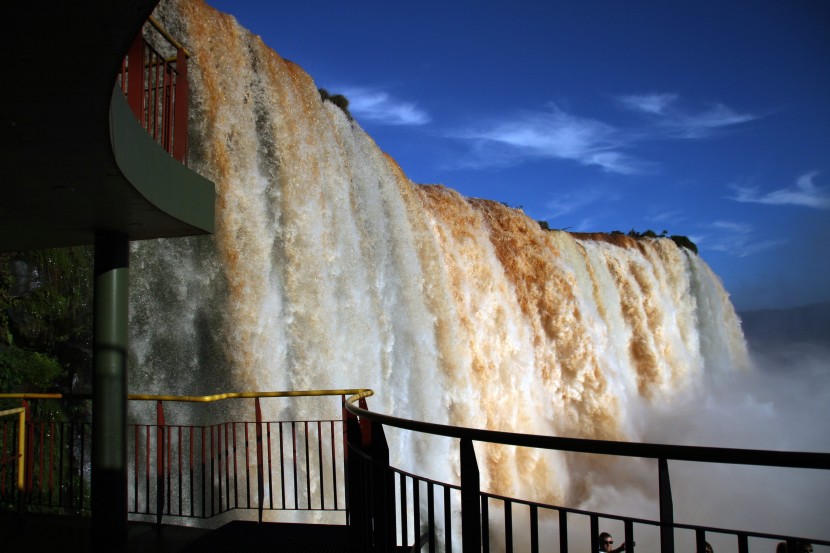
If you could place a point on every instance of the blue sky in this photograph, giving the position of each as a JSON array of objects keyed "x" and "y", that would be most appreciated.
[{"x": 707, "y": 119}]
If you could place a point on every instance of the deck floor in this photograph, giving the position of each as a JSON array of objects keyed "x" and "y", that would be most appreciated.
[{"x": 71, "y": 534}]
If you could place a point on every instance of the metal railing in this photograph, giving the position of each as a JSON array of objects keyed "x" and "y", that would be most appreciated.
[
  {"x": 182, "y": 471},
  {"x": 157, "y": 90},
  {"x": 186, "y": 471},
  {"x": 383, "y": 516},
  {"x": 201, "y": 471},
  {"x": 5, "y": 460}
]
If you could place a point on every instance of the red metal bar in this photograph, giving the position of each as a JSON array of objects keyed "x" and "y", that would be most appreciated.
[
  {"x": 259, "y": 464},
  {"x": 282, "y": 469},
  {"x": 40, "y": 464},
  {"x": 190, "y": 479},
  {"x": 135, "y": 469},
  {"x": 165, "y": 104},
  {"x": 294, "y": 460},
  {"x": 270, "y": 482},
  {"x": 147, "y": 467},
  {"x": 30, "y": 446},
  {"x": 248, "y": 466},
  {"x": 212, "y": 473},
  {"x": 333, "y": 466},
  {"x": 167, "y": 466},
  {"x": 320, "y": 462},
  {"x": 51, "y": 458},
  {"x": 180, "y": 469},
  {"x": 159, "y": 461},
  {"x": 154, "y": 94},
  {"x": 180, "y": 108},
  {"x": 135, "y": 78},
  {"x": 307, "y": 470},
  {"x": 227, "y": 472},
  {"x": 204, "y": 503},
  {"x": 235, "y": 487}
]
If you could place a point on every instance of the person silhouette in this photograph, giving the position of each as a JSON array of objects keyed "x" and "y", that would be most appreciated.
[{"x": 606, "y": 544}]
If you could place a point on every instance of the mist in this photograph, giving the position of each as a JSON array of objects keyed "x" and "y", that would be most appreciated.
[{"x": 779, "y": 403}]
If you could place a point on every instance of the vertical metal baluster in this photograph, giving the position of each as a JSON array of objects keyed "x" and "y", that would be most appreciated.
[
  {"x": 294, "y": 451},
  {"x": 403, "y": 517},
  {"x": 485, "y": 523},
  {"x": 431, "y": 516},
  {"x": 180, "y": 475},
  {"x": 248, "y": 465},
  {"x": 447, "y": 521},
  {"x": 147, "y": 467},
  {"x": 307, "y": 469},
  {"x": 320, "y": 463},
  {"x": 534, "y": 529},
  {"x": 282, "y": 468},
  {"x": 235, "y": 468},
  {"x": 333, "y": 465},
  {"x": 416, "y": 511},
  {"x": 51, "y": 461},
  {"x": 270, "y": 484}
]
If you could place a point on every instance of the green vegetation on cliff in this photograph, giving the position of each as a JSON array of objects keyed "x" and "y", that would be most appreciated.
[
  {"x": 45, "y": 322},
  {"x": 338, "y": 100}
]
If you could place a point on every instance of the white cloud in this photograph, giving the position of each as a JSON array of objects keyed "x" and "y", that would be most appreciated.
[
  {"x": 566, "y": 203},
  {"x": 648, "y": 103},
  {"x": 552, "y": 134},
  {"x": 735, "y": 238},
  {"x": 673, "y": 216},
  {"x": 680, "y": 122},
  {"x": 380, "y": 107},
  {"x": 556, "y": 134},
  {"x": 805, "y": 193}
]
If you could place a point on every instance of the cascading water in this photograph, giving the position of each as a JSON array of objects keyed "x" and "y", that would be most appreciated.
[{"x": 330, "y": 269}]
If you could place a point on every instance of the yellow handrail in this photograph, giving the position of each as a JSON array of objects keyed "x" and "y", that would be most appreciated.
[
  {"x": 355, "y": 392},
  {"x": 21, "y": 444},
  {"x": 168, "y": 36}
]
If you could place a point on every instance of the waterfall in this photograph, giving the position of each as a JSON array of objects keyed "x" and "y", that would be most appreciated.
[{"x": 329, "y": 268}]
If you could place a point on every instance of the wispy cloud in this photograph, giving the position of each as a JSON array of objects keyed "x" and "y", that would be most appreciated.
[
  {"x": 378, "y": 106},
  {"x": 678, "y": 121},
  {"x": 661, "y": 216},
  {"x": 559, "y": 135},
  {"x": 567, "y": 203},
  {"x": 648, "y": 103},
  {"x": 805, "y": 193},
  {"x": 735, "y": 238},
  {"x": 551, "y": 134}
]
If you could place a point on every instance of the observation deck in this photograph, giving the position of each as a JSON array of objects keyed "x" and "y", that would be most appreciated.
[
  {"x": 77, "y": 161},
  {"x": 327, "y": 484},
  {"x": 93, "y": 159}
]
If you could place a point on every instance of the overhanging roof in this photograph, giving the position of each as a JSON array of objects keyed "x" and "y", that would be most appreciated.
[{"x": 63, "y": 179}]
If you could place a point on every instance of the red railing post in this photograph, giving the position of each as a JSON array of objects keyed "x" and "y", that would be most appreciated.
[
  {"x": 260, "y": 482},
  {"x": 180, "y": 107},
  {"x": 30, "y": 446},
  {"x": 159, "y": 461},
  {"x": 135, "y": 77}
]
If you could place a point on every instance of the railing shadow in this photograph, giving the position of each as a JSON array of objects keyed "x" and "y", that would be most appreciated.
[{"x": 382, "y": 517}]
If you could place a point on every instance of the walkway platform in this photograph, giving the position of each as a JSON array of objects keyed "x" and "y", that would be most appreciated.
[{"x": 72, "y": 534}]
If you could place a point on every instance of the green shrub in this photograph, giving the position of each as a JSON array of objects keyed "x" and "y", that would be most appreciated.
[
  {"x": 337, "y": 99},
  {"x": 684, "y": 242}
]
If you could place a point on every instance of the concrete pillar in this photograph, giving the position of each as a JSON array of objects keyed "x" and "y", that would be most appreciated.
[{"x": 109, "y": 392}]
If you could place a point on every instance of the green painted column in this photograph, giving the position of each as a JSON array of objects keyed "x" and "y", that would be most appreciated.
[{"x": 109, "y": 392}]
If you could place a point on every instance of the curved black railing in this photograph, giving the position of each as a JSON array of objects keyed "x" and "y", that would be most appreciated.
[{"x": 373, "y": 505}]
